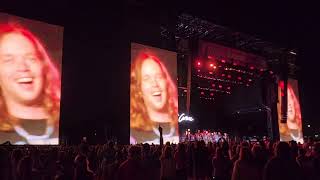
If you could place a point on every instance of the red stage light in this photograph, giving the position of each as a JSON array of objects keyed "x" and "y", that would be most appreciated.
[
  {"x": 210, "y": 57},
  {"x": 213, "y": 85},
  {"x": 229, "y": 76},
  {"x": 239, "y": 78},
  {"x": 199, "y": 63},
  {"x": 261, "y": 70},
  {"x": 251, "y": 67},
  {"x": 281, "y": 84},
  {"x": 214, "y": 67},
  {"x": 210, "y": 72},
  {"x": 198, "y": 70},
  {"x": 202, "y": 93},
  {"x": 220, "y": 86},
  {"x": 211, "y": 94},
  {"x": 223, "y": 75},
  {"x": 228, "y": 87},
  {"x": 223, "y": 61},
  {"x": 234, "y": 64},
  {"x": 211, "y": 65}
]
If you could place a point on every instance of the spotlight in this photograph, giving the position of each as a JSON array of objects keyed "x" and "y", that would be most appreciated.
[
  {"x": 220, "y": 86},
  {"x": 251, "y": 67},
  {"x": 211, "y": 94},
  {"x": 199, "y": 63},
  {"x": 210, "y": 57},
  {"x": 239, "y": 78}
]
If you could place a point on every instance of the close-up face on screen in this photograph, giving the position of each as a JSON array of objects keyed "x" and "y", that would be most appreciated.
[
  {"x": 30, "y": 81},
  {"x": 153, "y": 95},
  {"x": 292, "y": 130}
]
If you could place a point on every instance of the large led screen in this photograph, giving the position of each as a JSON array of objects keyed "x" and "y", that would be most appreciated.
[
  {"x": 30, "y": 83},
  {"x": 153, "y": 95},
  {"x": 292, "y": 130}
]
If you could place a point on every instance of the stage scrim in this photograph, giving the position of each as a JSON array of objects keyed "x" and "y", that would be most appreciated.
[
  {"x": 153, "y": 95},
  {"x": 30, "y": 83},
  {"x": 292, "y": 130}
]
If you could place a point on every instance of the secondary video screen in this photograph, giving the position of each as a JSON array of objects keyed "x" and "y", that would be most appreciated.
[
  {"x": 30, "y": 83},
  {"x": 292, "y": 130},
  {"x": 153, "y": 95}
]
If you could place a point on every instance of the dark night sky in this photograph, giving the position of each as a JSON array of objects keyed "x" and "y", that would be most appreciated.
[{"x": 96, "y": 59}]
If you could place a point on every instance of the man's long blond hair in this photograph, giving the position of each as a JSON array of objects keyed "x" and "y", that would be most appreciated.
[
  {"x": 52, "y": 83},
  {"x": 139, "y": 118}
]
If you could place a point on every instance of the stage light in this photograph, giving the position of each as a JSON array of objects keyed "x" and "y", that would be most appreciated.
[
  {"x": 249, "y": 80},
  {"x": 223, "y": 75},
  {"x": 185, "y": 90},
  {"x": 261, "y": 69},
  {"x": 251, "y": 67},
  {"x": 198, "y": 70},
  {"x": 220, "y": 86},
  {"x": 281, "y": 84},
  {"x": 210, "y": 57},
  {"x": 229, "y": 76},
  {"x": 211, "y": 94},
  {"x": 239, "y": 78},
  {"x": 228, "y": 87},
  {"x": 309, "y": 126},
  {"x": 199, "y": 63},
  {"x": 234, "y": 64},
  {"x": 202, "y": 93},
  {"x": 213, "y": 85},
  {"x": 214, "y": 67},
  {"x": 223, "y": 61}
]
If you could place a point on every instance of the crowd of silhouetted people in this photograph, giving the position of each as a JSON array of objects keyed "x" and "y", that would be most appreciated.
[{"x": 224, "y": 160}]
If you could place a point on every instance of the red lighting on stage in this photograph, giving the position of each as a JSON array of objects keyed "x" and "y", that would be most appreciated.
[
  {"x": 210, "y": 72},
  {"x": 229, "y": 76},
  {"x": 210, "y": 57},
  {"x": 228, "y": 87},
  {"x": 213, "y": 85},
  {"x": 261, "y": 70},
  {"x": 198, "y": 70},
  {"x": 202, "y": 93},
  {"x": 211, "y": 65},
  {"x": 249, "y": 80},
  {"x": 199, "y": 63},
  {"x": 214, "y": 67},
  {"x": 239, "y": 78},
  {"x": 223, "y": 75},
  {"x": 234, "y": 64},
  {"x": 211, "y": 94},
  {"x": 281, "y": 84},
  {"x": 223, "y": 61},
  {"x": 251, "y": 67},
  {"x": 220, "y": 86}
]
